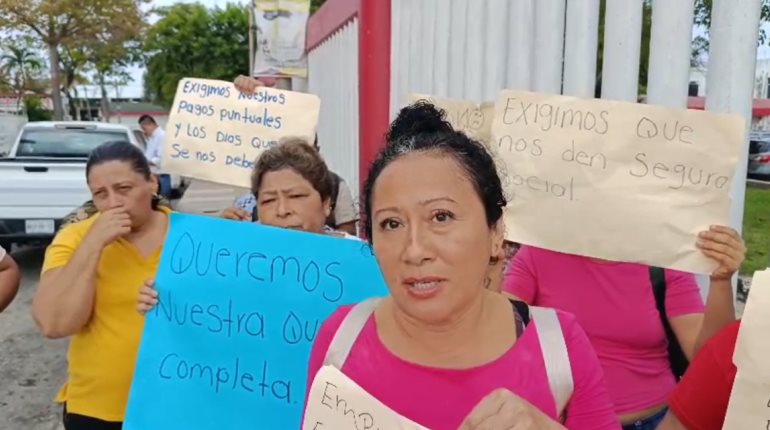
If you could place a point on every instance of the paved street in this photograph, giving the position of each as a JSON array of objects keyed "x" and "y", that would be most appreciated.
[{"x": 31, "y": 367}]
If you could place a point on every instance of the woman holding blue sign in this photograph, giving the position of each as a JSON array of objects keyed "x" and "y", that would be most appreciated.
[
  {"x": 443, "y": 350},
  {"x": 293, "y": 189},
  {"x": 87, "y": 288},
  {"x": 343, "y": 215}
]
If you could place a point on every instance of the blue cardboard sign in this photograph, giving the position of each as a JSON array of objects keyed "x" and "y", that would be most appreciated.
[{"x": 240, "y": 304}]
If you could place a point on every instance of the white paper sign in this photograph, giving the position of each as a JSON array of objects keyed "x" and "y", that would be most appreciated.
[
  {"x": 473, "y": 119},
  {"x": 615, "y": 180},
  {"x": 749, "y": 406},
  {"x": 215, "y": 132},
  {"x": 337, "y": 403}
]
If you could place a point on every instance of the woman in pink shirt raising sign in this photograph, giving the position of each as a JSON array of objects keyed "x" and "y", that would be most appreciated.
[
  {"x": 616, "y": 304},
  {"x": 443, "y": 349}
]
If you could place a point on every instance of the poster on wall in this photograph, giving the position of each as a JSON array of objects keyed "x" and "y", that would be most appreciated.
[{"x": 281, "y": 26}]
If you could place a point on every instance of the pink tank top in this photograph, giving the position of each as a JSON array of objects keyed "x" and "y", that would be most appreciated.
[
  {"x": 440, "y": 399},
  {"x": 614, "y": 303}
]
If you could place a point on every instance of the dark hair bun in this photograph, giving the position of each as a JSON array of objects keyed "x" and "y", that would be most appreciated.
[
  {"x": 423, "y": 127},
  {"x": 421, "y": 117}
]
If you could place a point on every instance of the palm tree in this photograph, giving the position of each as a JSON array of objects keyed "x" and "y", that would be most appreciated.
[
  {"x": 5, "y": 82},
  {"x": 19, "y": 62}
]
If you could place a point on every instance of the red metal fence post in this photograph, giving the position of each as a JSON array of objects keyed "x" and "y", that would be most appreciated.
[{"x": 374, "y": 80}]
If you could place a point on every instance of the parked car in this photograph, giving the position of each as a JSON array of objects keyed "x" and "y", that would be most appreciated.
[
  {"x": 759, "y": 159},
  {"x": 759, "y": 135},
  {"x": 43, "y": 177},
  {"x": 208, "y": 198}
]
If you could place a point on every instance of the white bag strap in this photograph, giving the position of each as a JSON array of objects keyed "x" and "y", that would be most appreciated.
[
  {"x": 555, "y": 355},
  {"x": 348, "y": 332}
]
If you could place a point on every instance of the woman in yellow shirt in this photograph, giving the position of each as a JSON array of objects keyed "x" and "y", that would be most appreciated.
[{"x": 88, "y": 285}]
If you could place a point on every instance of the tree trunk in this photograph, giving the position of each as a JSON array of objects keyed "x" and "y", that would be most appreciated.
[
  {"x": 105, "y": 99},
  {"x": 79, "y": 105},
  {"x": 72, "y": 109},
  {"x": 58, "y": 106},
  {"x": 19, "y": 93}
]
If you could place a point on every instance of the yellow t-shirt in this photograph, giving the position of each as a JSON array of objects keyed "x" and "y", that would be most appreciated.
[{"x": 101, "y": 356}]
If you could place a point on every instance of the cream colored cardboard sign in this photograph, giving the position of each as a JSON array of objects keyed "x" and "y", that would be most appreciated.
[
  {"x": 615, "y": 180},
  {"x": 472, "y": 118},
  {"x": 749, "y": 406},
  {"x": 215, "y": 132},
  {"x": 337, "y": 403}
]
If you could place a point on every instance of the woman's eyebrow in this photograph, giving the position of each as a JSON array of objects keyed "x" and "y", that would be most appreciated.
[
  {"x": 437, "y": 199},
  {"x": 421, "y": 202},
  {"x": 388, "y": 209}
]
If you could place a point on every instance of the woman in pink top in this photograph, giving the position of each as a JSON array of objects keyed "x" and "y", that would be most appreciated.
[
  {"x": 615, "y": 304},
  {"x": 443, "y": 349}
]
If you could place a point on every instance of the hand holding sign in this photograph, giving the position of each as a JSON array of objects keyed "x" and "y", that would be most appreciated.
[
  {"x": 215, "y": 132},
  {"x": 247, "y": 84},
  {"x": 725, "y": 246},
  {"x": 502, "y": 409},
  {"x": 148, "y": 297},
  {"x": 236, "y": 214},
  {"x": 337, "y": 403},
  {"x": 614, "y": 180}
]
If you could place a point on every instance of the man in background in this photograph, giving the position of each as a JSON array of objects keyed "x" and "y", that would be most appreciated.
[{"x": 155, "y": 137}]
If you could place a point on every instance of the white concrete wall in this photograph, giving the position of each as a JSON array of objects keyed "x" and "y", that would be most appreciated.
[
  {"x": 471, "y": 49},
  {"x": 466, "y": 49},
  {"x": 333, "y": 76}
]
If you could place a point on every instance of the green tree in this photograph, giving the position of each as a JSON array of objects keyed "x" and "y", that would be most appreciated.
[
  {"x": 112, "y": 52},
  {"x": 105, "y": 57},
  {"x": 644, "y": 51},
  {"x": 74, "y": 64},
  {"x": 60, "y": 22},
  {"x": 702, "y": 19},
  {"x": 5, "y": 82},
  {"x": 315, "y": 5},
  {"x": 703, "y": 15},
  {"x": 20, "y": 62},
  {"x": 35, "y": 109},
  {"x": 700, "y": 44},
  {"x": 190, "y": 40}
]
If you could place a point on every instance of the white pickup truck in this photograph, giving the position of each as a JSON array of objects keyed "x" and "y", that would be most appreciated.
[{"x": 43, "y": 178}]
